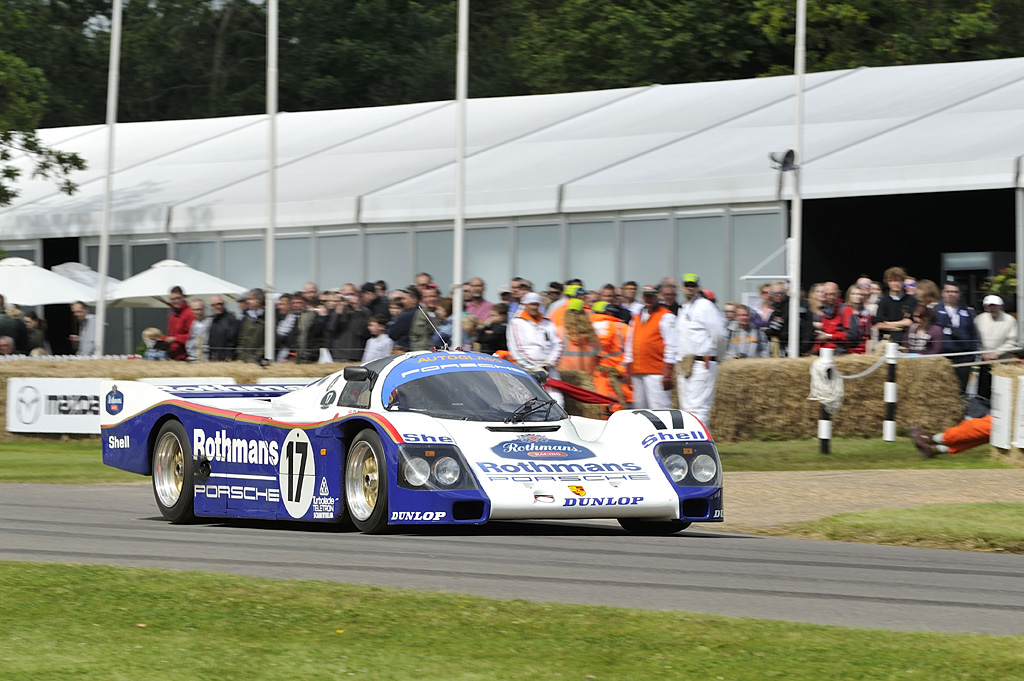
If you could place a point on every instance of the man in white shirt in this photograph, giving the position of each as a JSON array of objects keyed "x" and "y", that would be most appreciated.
[
  {"x": 534, "y": 342},
  {"x": 700, "y": 326},
  {"x": 998, "y": 333},
  {"x": 86, "y": 336}
]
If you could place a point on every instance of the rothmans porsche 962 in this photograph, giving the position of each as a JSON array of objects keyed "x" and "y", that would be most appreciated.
[{"x": 423, "y": 438}]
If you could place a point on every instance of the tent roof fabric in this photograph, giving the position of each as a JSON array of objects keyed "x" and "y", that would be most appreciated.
[{"x": 868, "y": 131}]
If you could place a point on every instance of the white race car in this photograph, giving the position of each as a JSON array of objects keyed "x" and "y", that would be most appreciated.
[{"x": 423, "y": 438}]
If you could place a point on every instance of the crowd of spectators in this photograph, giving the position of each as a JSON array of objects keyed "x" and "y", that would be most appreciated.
[{"x": 354, "y": 323}]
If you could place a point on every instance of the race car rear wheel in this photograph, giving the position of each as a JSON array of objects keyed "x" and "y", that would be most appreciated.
[
  {"x": 366, "y": 483},
  {"x": 172, "y": 473},
  {"x": 652, "y": 528}
]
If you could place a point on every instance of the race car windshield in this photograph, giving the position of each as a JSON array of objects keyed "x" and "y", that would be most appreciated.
[{"x": 474, "y": 396}]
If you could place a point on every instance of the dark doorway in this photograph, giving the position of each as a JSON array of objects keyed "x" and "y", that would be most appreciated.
[
  {"x": 59, "y": 321},
  {"x": 843, "y": 238}
]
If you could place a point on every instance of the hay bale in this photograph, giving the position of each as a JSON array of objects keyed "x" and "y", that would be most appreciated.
[
  {"x": 767, "y": 398},
  {"x": 573, "y": 406}
]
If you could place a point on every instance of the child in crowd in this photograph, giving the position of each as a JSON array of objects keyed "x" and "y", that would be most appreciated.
[
  {"x": 379, "y": 344},
  {"x": 153, "y": 345}
]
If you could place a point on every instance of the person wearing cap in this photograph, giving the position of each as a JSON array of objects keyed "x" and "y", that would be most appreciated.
[
  {"x": 611, "y": 366},
  {"x": 556, "y": 310},
  {"x": 998, "y": 333},
  {"x": 650, "y": 353},
  {"x": 699, "y": 328},
  {"x": 534, "y": 342},
  {"x": 959, "y": 330},
  {"x": 373, "y": 302}
]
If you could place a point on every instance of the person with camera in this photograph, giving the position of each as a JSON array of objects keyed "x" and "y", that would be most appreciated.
[
  {"x": 347, "y": 326},
  {"x": 959, "y": 330},
  {"x": 778, "y": 329}
]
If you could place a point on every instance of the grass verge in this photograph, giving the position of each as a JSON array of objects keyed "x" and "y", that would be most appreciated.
[
  {"x": 71, "y": 462},
  {"x": 970, "y": 527},
  {"x": 847, "y": 453},
  {"x": 104, "y": 623}
]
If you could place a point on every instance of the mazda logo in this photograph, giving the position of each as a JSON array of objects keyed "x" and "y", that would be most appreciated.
[{"x": 29, "y": 405}]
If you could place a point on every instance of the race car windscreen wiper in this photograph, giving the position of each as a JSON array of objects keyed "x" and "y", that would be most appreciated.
[{"x": 534, "y": 404}]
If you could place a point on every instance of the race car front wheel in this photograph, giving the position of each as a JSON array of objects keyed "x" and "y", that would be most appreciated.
[
  {"x": 366, "y": 483},
  {"x": 172, "y": 473},
  {"x": 653, "y": 528}
]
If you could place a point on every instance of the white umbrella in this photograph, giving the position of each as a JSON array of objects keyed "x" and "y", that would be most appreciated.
[
  {"x": 24, "y": 283},
  {"x": 152, "y": 288},
  {"x": 83, "y": 274}
]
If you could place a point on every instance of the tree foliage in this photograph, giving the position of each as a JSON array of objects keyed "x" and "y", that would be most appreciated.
[
  {"x": 851, "y": 33},
  {"x": 21, "y": 104}
]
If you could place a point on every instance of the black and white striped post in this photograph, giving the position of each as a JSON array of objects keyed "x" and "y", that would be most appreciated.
[
  {"x": 825, "y": 418},
  {"x": 892, "y": 351}
]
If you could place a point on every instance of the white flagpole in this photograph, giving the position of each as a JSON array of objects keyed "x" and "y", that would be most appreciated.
[
  {"x": 113, "y": 78},
  {"x": 270, "y": 332},
  {"x": 461, "y": 77},
  {"x": 796, "y": 232}
]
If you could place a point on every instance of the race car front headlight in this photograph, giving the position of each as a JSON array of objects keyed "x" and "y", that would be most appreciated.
[
  {"x": 676, "y": 467},
  {"x": 447, "y": 470},
  {"x": 703, "y": 467},
  {"x": 416, "y": 471}
]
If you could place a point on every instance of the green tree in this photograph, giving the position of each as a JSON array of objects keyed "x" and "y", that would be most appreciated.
[
  {"x": 592, "y": 44},
  {"x": 22, "y": 100},
  {"x": 849, "y": 33}
]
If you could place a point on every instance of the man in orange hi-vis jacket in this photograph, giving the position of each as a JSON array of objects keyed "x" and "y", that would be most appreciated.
[{"x": 611, "y": 366}]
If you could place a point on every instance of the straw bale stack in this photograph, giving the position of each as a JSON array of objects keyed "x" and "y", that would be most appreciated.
[{"x": 767, "y": 398}]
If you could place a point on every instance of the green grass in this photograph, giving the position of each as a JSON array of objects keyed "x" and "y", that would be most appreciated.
[
  {"x": 972, "y": 527},
  {"x": 846, "y": 454},
  {"x": 74, "y": 462},
  {"x": 106, "y": 623}
]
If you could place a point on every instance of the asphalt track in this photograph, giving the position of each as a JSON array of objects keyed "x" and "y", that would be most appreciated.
[{"x": 700, "y": 570}]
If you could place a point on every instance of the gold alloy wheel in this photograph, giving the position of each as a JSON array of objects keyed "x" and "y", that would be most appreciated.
[
  {"x": 362, "y": 483},
  {"x": 168, "y": 469}
]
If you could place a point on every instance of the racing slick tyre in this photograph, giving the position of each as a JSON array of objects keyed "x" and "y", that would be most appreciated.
[
  {"x": 652, "y": 528},
  {"x": 172, "y": 473},
  {"x": 366, "y": 483}
]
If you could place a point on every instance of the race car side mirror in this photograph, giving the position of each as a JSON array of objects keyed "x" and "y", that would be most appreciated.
[
  {"x": 540, "y": 375},
  {"x": 358, "y": 374}
]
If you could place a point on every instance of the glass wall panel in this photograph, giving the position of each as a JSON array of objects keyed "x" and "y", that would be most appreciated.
[
  {"x": 755, "y": 237},
  {"x": 27, "y": 253},
  {"x": 487, "y": 258},
  {"x": 145, "y": 256},
  {"x": 434, "y": 256},
  {"x": 243, "y": 262},
  {"x": 646, "y": 251},
  {"x": 391, "y": 258},
  {"x": 538, "y": 255},
  {"x": 339, "y": 260},
  {"x": 200, "y": 255},
  {"x": 593, "y": 253},
  {"x": 702, "y": 244},
  {"x": 293, "y": 263}
]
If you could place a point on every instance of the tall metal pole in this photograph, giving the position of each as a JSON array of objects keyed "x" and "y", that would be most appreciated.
[
  {"x": 103, "y": 265},
  {"x": 1019, "y": 191},
  {"x": 268, "y": 267},
  {"x": 461, "y": 78},
  {"x": 798, "y": 207}
]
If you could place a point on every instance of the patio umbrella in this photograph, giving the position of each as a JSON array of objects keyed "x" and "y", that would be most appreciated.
[
  {"x": 152, "y": 288},
  {"x": 83, "y": 274},
  {"x": 24, "y": 283}
]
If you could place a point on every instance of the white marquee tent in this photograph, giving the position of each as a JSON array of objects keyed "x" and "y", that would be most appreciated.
[{"x": 869, "y": 131}]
